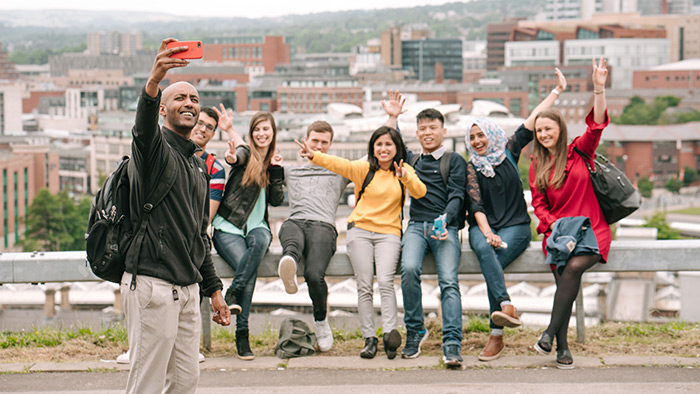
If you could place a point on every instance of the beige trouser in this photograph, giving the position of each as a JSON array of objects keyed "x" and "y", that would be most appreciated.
[
  {"x": 366, "y": 251},
  {"x": 163, "y": 335}
]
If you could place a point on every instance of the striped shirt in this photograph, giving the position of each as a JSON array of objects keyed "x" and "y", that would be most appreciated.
[{"x": 218, "y": 179}]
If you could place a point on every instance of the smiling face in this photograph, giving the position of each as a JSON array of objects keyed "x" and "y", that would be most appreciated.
[
  {"x": 547, "y": 133},
  {"x": 180, "y": 108},
  {"x": 319, "y": 141},
  {"x": 478, "y": 140},
  {"x": 384, "y": 151},
  {"x": 263, "y": 135},
  {"x": 430, "y": 133},
  {"x": 204, "y": 130}
]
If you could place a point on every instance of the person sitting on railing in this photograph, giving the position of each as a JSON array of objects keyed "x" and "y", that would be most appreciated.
[
  {"x": 374, "y": 227},
  {"x": 561, "y": 187},
  {"x": 499, "y": 224},
  {"x": 241, "y": 229}
]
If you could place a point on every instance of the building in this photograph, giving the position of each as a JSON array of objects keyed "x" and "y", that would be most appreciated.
[
  {"x": 61, "y": 65},
  {"x": 497, "y": 34},
  {"x": 433, "y": 59},
  {"x": 570, "y": 9},
  {"x": 312, "y": 94},
  {"x": 114, "y": 43},
  {"x": 26, "y": 166},
  {"x": 265, "y": 52},
  {"x": 391, "y": 47},
  {"x": 10, "y": 107},
  {"x": 679, "y": 75},
  {"x": 7, "y": 68}
]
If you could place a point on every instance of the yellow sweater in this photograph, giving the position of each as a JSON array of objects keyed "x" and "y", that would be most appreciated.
[{"x": 379, "y": 208}]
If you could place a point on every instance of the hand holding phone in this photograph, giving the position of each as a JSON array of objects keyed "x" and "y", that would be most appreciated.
[
  {"x": 194, "y": 49},
  {"x": 439, "y": 225}
]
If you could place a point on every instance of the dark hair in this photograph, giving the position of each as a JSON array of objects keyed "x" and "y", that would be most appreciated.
[
  {"x": 212, "y": 114},
  {"x": 320, "y": 126},
  {"x": 395, "y": 137},
  {"x": 430, "y": 113}
]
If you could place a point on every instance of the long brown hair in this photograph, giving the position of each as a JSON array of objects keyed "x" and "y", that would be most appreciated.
[
  {"x": 256, "y": 170},
  {"x": 543, "y": 164}
]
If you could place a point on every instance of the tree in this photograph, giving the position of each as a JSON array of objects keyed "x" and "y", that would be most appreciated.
[
  {"x": 690, "y": 175},
  {"x": 645, "y": 186},
  {"x": 674, "y": 185},
  {"x": 658, "y": 220},
  {"x": 56, "y": 222}
]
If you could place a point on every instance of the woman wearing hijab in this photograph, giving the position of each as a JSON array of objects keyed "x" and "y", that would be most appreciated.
[{"x": 499, "y": 224}]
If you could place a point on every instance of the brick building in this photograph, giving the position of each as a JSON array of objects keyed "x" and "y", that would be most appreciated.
[
  {"x": 679, "y": 75},
  {"x": 252, "y": 51}
]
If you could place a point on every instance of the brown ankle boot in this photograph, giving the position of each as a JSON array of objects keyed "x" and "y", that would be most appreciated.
[
  {"x": 493, "y": 348},
  {"x": 508, "y": 317}
]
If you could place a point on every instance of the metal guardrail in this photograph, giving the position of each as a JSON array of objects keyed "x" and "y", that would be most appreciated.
[{"x": 625, "y": 256}]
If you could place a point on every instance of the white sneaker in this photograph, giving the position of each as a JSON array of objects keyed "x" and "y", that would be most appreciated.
[
  {"x": 123, "y": 358},
  {"x": 324, "y": 335},
  {"x": 287, "y": 270}
]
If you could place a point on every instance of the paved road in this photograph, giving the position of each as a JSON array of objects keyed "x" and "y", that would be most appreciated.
[{"x": 638, "y": 380}]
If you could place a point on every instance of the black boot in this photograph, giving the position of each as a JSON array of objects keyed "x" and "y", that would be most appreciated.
[
  {"x": 370, "y": 349},
  {"x": 243, "y": 345},
  {"x": 231, "y": 299},
  {"x": 392, "y": 341}
]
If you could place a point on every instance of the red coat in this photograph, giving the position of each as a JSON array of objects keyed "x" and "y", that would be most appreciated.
[{"x": 576, "y": 197}]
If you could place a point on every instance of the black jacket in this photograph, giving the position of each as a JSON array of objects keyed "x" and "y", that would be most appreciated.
[
  {"x": 176, "y": 246},
  {"x": 238, "y": 201}
]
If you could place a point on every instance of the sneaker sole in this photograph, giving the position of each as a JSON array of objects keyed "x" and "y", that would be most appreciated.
[
  {"x": 501, "y": 319},
  {"x": 235, "y": 309},
  {"x": 287, "y": 270},
  {"x": 452, "y": 363},
  {"x": 565, "y": 366},
  {"x": 247, "y": 358},
  {"x": 422, "y": 340}
]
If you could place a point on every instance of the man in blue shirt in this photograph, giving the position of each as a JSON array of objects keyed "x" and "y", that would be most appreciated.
[{"x": 419, "y": 236}]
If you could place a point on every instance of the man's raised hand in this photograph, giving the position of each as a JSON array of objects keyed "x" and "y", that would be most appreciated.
[{"x": 304, "y": 150}]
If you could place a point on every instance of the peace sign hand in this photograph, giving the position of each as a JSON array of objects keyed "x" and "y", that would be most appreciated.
[
  {"x": 400, "y": 169},
  {"x": 305, "y": 151},
  {"x": 600, "y": 73}
]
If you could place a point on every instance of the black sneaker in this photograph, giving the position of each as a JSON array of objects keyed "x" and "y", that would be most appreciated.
[
  {"x": 451, "y": 356},
  {"x": 231, "y": 299},
  {"x": 392, "y": 341},
  {"x": 414, "y": 340},
  {"x": 243, "y": 345}
]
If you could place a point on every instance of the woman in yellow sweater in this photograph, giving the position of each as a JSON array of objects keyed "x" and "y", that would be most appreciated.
[{"x": 374, "y": 227}]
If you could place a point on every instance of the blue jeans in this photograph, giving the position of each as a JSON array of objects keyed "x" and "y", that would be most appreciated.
[
  {"x": 244, "y": 255},
  {"x": 493, "y": 261},
  {"x": 415, "y": 243}
]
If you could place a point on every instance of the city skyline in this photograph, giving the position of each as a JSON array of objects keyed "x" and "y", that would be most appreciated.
[{"x": 221, "y": 8}]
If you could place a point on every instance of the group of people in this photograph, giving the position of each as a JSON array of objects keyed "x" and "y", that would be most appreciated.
[{"x": 486, "y": 191}]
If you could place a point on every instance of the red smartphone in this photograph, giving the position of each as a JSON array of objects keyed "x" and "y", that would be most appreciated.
[{"x": 194, "y": 49}]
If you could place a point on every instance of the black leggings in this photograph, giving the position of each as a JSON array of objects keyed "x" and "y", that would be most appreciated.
[{"x": 568, "y": 283}]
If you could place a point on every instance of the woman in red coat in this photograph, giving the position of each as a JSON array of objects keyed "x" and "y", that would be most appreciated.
[{"x": 561, "y": 187}]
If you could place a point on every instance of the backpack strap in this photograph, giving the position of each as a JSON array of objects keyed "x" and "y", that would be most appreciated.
[
  {"x": 509, "y": 156},
  {"x": 368, "y": 179},
  {"x": 165, "y": 183},
  {"x": 210, "y": 162},
  {"x": 445, "y": 166}
]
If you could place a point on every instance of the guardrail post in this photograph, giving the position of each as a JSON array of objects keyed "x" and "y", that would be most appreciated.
[
  {"x": 65, "y": 297},
  {"x": 205, "y": 310},
  {"x": 118, "y": 307},
  {"x": 50, "y": 303},
  {"x": 580, "y": 318}
]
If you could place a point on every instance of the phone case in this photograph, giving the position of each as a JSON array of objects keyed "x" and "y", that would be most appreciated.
[{"x": 194, "y": 49}]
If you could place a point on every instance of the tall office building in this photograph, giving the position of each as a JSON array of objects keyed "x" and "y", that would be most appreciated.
[
  {"x": 433, "y": 59},
  {"x": 114, "y": 43},
  {"x": 391, "y": 47}
]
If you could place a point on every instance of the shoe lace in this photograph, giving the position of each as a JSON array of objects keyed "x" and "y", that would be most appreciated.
[{"x": 412, "y": 339}]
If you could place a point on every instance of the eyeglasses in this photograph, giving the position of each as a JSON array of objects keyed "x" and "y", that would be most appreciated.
[{"x": 205, "y": 125}]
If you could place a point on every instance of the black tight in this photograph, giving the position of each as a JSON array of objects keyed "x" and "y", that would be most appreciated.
[{"x": 568, "y": 284}]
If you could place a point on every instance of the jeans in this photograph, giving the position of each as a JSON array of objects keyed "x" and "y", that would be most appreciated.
[
  {"x": 493, "y": 261},
  {"x": 369, "y": 251},
  {"x": 315, "y": 241},
  {"x": 244, "y": 255},
  {"x": 415, "y": 244}
]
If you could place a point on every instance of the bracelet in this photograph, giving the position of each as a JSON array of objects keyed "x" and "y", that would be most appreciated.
[
  {"x": 599, "y": 91},
  {"x": 555, "y": 91}
]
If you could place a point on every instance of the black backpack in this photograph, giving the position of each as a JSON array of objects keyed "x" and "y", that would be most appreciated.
[{"x": 110, "y": 233}]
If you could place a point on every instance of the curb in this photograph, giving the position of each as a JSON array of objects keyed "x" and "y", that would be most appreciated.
[{"x": 356, "y": 363}]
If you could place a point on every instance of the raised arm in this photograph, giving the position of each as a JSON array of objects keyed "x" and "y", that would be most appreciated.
[
  {"x": 226, "y": 124},
  {"x": 548, "y": 101},
  {"x": 600, "y": 76},
  {"x": 393, "y": 107},
  {"x": 162, "y": 64}
]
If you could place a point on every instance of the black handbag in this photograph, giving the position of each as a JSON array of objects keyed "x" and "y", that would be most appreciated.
[{"x": 617, "y": 197}]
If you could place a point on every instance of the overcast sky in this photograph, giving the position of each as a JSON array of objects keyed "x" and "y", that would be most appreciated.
[{"x": 228, "y": 8}]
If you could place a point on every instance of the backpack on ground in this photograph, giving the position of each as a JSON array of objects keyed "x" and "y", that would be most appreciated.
[
  {"x": 296, "y": 339},
  {"x": 110, "y": 233}
]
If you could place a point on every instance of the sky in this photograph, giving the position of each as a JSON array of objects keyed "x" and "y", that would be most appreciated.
[{"x": 224, "y": 8}]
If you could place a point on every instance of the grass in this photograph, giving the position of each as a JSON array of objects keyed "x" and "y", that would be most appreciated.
[
  {"x": 688, "y": 211},
  {"x": 640, "y": 339}
]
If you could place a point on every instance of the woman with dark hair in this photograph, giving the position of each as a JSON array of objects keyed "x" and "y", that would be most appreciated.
[
  {"x": 241, "y": 229},
  {"x": 374, "y": 227},
  {"x": 576, "y": 235},
  {"x": 499, "y": 225}
]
